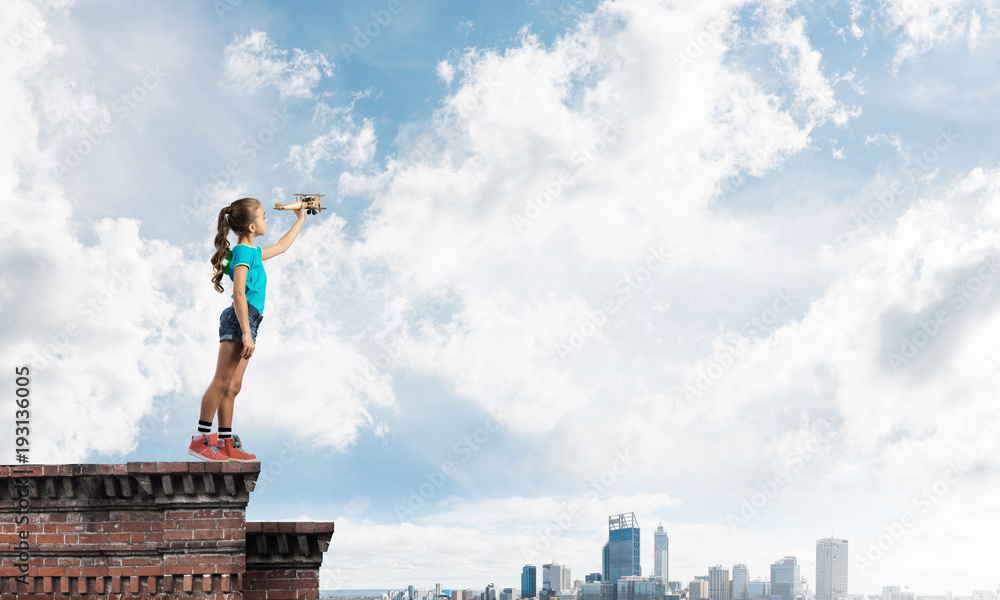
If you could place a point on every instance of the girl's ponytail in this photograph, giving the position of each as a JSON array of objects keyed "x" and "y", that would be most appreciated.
[
  {"x": 221, "y": 248},
  {"x": 237, "y": 216}
]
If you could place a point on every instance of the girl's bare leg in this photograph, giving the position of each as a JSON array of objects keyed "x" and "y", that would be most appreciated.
[
  {"x": 229, "y": 360},
  {"x": 229, "y": 396}
]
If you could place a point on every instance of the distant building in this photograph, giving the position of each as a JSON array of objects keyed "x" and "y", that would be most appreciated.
[
  {"x": 888, "y": 589},
  {"x": 831, "y": 568},
  {"x": 606, "y": 562},
  {"x": 718, "y": 583},
  {"x": 623, "y": 547},
  {"x": 490, "y": 593},
  {"x": 697, "y": 589},
  {"x": 785, "y": 579},
  {"x": 509, "y": 594},
  {"x": 741, "y": 576},
  {"x": 598, "y": 590},
  {"x": 593, "y": 578},
  {"x": 661, "y": 554},
  {"x": 634, "y": 587},
  {"x": 528, "y": 581},
  {"x": 759, "y": 590},
  {"x": 555, "y": 577}
]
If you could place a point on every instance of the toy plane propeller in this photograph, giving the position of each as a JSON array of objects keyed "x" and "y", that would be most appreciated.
[{"x": 310, "y": 202}]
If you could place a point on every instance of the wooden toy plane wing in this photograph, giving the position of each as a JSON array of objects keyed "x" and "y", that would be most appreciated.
[{"x": 311, "y": 202}]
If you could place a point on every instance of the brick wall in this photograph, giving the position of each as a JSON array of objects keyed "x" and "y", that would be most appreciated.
[
  {"x": 283, "y": 560},
  {"x": 148, "y": 530}
]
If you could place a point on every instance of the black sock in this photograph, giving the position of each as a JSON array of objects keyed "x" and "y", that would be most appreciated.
[
  {"x": 225, "y": 432},
  {"x": 204, "y": 428}
]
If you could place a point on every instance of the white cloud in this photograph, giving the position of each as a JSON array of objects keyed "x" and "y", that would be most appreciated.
[
  {"x": 445, "y": 71},
  {"x": 925, "y": 25},
  {"x": 254, "y": 62},
  {"x": 355, "y": 145}
]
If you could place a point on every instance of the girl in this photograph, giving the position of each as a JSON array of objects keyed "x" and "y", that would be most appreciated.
[{"x": 238, "y": 324}]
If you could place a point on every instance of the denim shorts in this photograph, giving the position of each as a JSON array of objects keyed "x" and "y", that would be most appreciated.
[{"x": 229, "y": 324}]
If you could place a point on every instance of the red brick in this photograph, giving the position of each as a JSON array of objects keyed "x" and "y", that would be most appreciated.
[
  {"x": 207, "y": 534},
  {"x": 281, "y": 595}
]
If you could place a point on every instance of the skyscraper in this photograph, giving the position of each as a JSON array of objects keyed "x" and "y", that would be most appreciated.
[
  {"x": 758, "y": 589},
  {"x": 606, "y": 561},
  {"x": 528, "y": 580},
  {"x": 661, "y": 555},
  {"x": 697, "y": 589},
  {"x": 785, "y": 580},
  {"x": 623, "y": 546},
  {"x": 741, "y": 577},
  {"x": 831, "y": 568},
  {"x": 554, "y": 577},
  {"x": 718, "y": 583}
]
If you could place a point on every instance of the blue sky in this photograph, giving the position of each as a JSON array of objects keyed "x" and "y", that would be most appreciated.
[{"x": 729, "y": 266}]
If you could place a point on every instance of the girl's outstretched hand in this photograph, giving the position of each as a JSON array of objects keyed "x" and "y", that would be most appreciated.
[{"x": 300, "y": 212}]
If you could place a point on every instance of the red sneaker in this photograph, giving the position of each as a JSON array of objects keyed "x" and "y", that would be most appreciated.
[
  {"x": 234, "y": 450},
  {"x": 204, "y": 447}
]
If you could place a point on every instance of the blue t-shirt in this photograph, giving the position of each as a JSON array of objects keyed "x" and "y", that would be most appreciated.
[{"x": 251, "y": 256}]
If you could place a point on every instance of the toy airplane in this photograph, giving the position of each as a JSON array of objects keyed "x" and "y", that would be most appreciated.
[{"x": 308, "y": 201}]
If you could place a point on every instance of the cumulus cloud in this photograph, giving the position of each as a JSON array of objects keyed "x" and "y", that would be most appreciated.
[
  {"x": 253, "y": 62},
  {"x": 343, "y": 140}
]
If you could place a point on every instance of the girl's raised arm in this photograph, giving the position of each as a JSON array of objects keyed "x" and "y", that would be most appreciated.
[{"x": 286, "y": 240}]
